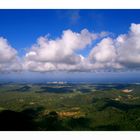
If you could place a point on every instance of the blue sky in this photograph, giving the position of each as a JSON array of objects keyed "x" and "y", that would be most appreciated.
[{"x": 22, "y": 28}]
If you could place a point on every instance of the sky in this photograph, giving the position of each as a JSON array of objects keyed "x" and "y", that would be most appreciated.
[{"x": 70, "y": 45}]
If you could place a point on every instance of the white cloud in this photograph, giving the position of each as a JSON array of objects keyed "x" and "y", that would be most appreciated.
[
  {"x": 128, "y": 47},
  {"x": 62, "y": 53},
  {"x": 7, "y": 53},
  {"x": 104, "y": 55},
  {"x": 120, "y": 53},
  {"x": 104, "y": 51},
  {"x": 59, "y": 54},
  {"x": 9, "y": 60}
]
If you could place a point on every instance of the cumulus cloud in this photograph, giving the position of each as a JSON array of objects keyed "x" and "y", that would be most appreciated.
[
  {"x": 128, "y": 47},
  {"x": 9, "y": 60},
  {"x": 59, "y": 54},
  {"x": 104, "y": 51},
  {"x": 63, "y": 53},
  {"x": 120, "y": 53},
  {"x": 104, "y": 55},
  {"x": 7, "y": 53}
]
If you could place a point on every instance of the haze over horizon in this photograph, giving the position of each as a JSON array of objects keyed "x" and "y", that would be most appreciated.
[{"x": 70, "y": 45}]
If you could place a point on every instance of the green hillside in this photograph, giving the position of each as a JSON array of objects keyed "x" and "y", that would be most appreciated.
[{"x": 100, "y": 107}]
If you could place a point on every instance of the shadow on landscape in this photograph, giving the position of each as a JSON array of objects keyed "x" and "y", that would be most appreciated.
[
  {"x": 22, "y": 89},
  {"x": 19, "y": 121},
  {"x": 84, "y": 90},
  {"x": 115, "y": 86},
  {"x": 15, "y": 121},
  {"x": 105, "y": 103},
  {"x": 79, "y": 124},
  {"x": 107, "y": 128},
  {"x": 34, "y": 119},
  {"x": 24, "y": 121},
  {"x": 55, "y": 90},
  {"x": 52, "y": 122}
]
